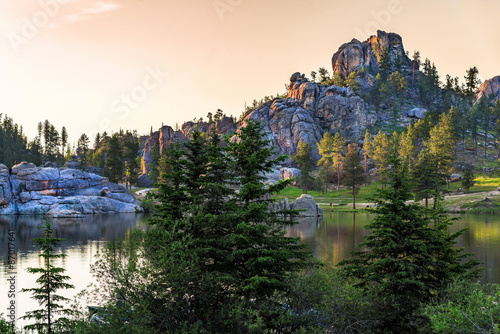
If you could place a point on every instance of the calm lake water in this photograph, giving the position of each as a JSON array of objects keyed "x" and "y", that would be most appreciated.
[{"x": 331, "y": 238}]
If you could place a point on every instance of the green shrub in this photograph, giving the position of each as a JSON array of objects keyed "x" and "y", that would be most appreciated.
[
  {"x": 468, "y": 308},
  {"x": 103, "y": 193},
  {"x": 147, "y": 204}
]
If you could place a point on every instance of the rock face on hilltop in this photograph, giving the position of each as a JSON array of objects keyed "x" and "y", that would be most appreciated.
[
  {"x": 60, "y": 192},
  {"x": 490, "y": 87},
  {"x": 353, "y": 56},
  {"x": 310, "y": 110},
  {"x": 161, "y": 139}
]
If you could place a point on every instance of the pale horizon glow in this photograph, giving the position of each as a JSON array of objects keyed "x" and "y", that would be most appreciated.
[{"x": 102, "y": 65}]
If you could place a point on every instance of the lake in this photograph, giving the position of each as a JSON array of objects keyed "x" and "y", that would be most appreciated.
[{"x": 331, "y": 238}]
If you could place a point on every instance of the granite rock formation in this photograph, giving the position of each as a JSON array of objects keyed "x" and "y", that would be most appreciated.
[
  {"x": 353, "y": 56},
  {"x": 161, "y": 139},
  {"x": 308, "y": 111},
  {"x": 60, "y": 192},
  {"x": 490, "y": 87}
]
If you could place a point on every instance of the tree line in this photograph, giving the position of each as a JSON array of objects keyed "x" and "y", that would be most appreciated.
[{"x": 426, "y": 149}]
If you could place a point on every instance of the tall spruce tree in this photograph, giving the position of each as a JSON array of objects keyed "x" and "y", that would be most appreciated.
[
  {"x": 408, "y": 257},
  {"x": 51, "y": 280}
]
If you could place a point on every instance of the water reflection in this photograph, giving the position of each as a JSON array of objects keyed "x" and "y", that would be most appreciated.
[
  {"x": 84, "y": 239},
  {"x": 338, "y": 234},
  {"x": 332, "y": 239}
]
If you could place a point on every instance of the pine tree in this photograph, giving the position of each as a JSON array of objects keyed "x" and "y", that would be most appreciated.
[
  {"x": 471, "y": 81},
  {"x": 468, "y": 180},
  {"x": 408, "y": 257},
  {"x": 325, "y": 149},
  {"x": 441, "y": 144},
  {"x": 64, "y": 140},
  {"x": 380, "y": 152},
  {"x": 305, "y": 162},
  {"x": 114, "y": 161},
  {"x": 331, "y": 148},
  {"x": 130, "y": 157},
  {"x": 354, "y": 174},
  {"x": 82, "y": 148},
  {"x": 351, "y": 81},
  {"x": 385, "y": 64},
  {"x": 50, "y": 281}
]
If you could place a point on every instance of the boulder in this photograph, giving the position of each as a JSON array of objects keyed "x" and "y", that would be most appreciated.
[
  {"x": 308, "y": 205},
  {"x": 416, "y": 112},
  {"x": 455, "y": 177},
  {"x": 23, "y": 165}
]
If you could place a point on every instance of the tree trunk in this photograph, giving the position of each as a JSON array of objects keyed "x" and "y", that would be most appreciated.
[{"x": 353, "y": 199}]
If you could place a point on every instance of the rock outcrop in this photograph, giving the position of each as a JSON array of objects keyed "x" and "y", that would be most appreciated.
[
  {"x": 353, "y": 56},
  {"x": 308, "y": 111},
  {"x": 60, "y": 192},
  {"x": 490, "y": 87},
  {"x": 161, "y": 139}
]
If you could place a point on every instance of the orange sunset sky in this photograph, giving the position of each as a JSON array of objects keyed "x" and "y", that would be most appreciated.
[{"x": 96, "y": 66}]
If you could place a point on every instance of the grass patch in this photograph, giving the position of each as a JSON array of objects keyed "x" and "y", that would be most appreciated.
[{"x": 337, "y": 197}]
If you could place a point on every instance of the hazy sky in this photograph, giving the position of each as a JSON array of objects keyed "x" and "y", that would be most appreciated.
[{"x": 98, "y": 65}]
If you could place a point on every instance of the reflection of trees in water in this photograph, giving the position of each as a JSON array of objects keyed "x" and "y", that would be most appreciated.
[
  {"x": 76, "y": 231},
  {"x": 333, "y": 237}
]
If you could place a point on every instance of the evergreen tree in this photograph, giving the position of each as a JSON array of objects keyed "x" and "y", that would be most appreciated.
[
  {"x": 305, "y": 163},
  {"x": 471, "y": 81},
  {"x": 50, "y": 281},
  {"x": 64, "y": 140},
  {"x": 380, "y": 151},
  {"x": 441, "y": 144},
  {"x": 427, "y": 180},
  {"x": 385, "y": 64},
  {"x": 114, "y": 161},
  {"x": 325, "y": 149},
  {"x": 338, "y": 80},
  {"x": 408, "y": 257},
  {"x": 415, "y": 66},
  {"x": 130, "y": 157},
  {"x": 351, "y": 81},
  {"x": 324, "y": 76},
  {"x": 354, "y": 175},
  {"x": 82, "y": 149},
  {"x": 468, "y": 180}
]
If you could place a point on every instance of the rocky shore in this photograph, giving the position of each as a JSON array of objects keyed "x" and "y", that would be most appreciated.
[{"x": 60, "y": 192}]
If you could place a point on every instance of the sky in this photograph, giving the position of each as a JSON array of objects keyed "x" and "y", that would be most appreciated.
[{"x": 102, "y": 65}]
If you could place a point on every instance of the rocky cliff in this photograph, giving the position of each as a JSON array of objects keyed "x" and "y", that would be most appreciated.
[
  {"x": 490, "y": 87},
  {"x": 60, "y": 192},
  {"x": 310, "y": 110},
  {"x": 353, "y": 56}
]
